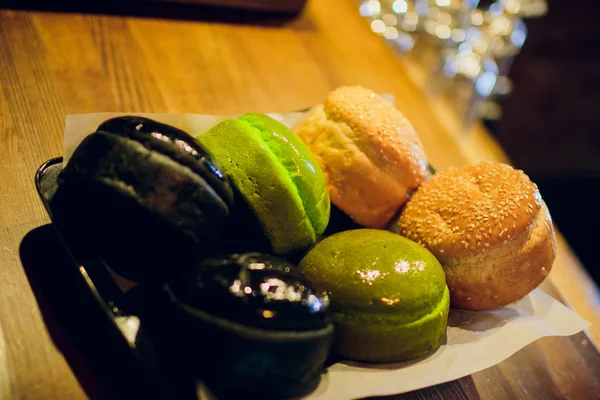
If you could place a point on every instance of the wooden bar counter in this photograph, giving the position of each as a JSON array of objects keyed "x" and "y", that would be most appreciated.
[{"x": 54, "y": 63}]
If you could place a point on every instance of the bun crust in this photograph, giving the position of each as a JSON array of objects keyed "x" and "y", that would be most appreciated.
[
  {"x": 370, "y": 154},
  {"x": 280, "y": 187},
  {"x": 489, "y": 227}
]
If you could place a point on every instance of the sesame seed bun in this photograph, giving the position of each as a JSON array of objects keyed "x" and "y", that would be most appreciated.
[
  {"x": 490, "y": 229},
  {"x": 370, "y": 154}
]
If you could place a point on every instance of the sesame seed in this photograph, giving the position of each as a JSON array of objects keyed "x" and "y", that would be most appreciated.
[{"x": 445, "y": 210}]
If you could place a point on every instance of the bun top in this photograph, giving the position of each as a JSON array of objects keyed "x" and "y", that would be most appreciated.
[
  {"x": 376, "y": 271},
  {"x": 381, "y": 132},
  {"x": 466, "y": 210},
  {"x": 174, "y": 143},
  {"x": 253, "y": 289},
  {"x": 300, "y": 164},
  {"x": 276, "y": 177}
]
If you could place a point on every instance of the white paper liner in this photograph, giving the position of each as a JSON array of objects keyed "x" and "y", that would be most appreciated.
[
  {"x": 475, "y": 340},
  {"x": 78, "y": 126}
]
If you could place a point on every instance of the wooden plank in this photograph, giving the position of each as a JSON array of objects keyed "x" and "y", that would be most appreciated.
[{"x": 55, "y": 63}]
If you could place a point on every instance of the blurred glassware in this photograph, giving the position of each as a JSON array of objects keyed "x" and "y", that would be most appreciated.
[
  {"x": 442, "y": 24},
  {"x": 506, "y": 35},
  {"x": 464, "y": 49},
  {"x": 370, "y": 9},
  {"x": 467, "y": 80},
  {"x": 525, "y": 8},
  {"x": 393, "y": 21}
]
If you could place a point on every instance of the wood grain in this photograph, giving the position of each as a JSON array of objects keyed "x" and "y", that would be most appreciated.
[
  {"x": 288, "y": 6},
  {"x": 56, "y": 63}
]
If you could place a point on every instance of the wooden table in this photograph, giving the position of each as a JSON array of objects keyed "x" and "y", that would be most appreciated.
[{"x": 56, "y": 63}]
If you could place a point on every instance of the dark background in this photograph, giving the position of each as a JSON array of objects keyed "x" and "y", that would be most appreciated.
[{"x": 550, "y": 125}]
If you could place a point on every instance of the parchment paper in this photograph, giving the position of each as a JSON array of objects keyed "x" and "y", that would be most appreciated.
[
  {"x": 475, "y": 340},
  {"x": 78, "y": 126}
]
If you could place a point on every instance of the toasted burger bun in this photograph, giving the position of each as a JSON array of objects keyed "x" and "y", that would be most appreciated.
[
  {"x": 370, "y": 154},
  {"x": 490, "y": 229}
]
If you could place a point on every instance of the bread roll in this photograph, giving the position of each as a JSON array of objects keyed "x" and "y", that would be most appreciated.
[
  {"x": 276, "y": 175},
  {"x": 370, "y": 154},
  {"x": 145, "y": 197},
  {"x": 388, "y": 295},
  {"x": 265, "y": 330},
  {"x": 489, "y": 227}
]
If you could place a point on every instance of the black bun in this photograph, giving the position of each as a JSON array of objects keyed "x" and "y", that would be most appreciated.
[
  {"x": 251, "y": 324},
  {"x": 146, "y": 196},
  {"x": 176, "y": 144},
  {"x": 253, "y": 289}
]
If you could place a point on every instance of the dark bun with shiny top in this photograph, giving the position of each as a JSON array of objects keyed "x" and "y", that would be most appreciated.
[{"x": 252, "y": 324}]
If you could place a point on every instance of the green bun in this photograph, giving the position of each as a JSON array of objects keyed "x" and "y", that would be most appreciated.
[
  {"x": 389, "y": 298},
  {"x": 277, "y": 175}
]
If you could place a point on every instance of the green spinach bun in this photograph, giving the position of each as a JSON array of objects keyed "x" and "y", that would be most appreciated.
[
  {"x": 277, "y": 175},
  {"x": 389, "y": 298}
]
